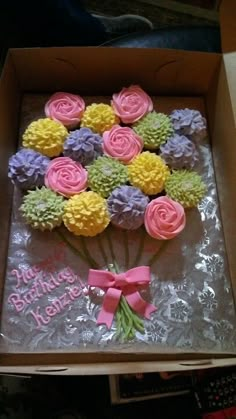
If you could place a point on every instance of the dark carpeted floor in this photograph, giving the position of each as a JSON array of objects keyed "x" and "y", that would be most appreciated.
[
  {"x": 162, "y": 13},
  {"x": 81, "y": 397},
  {"x": 58, "y": 397}
]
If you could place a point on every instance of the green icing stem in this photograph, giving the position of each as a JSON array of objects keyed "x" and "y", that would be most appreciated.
[
  {"x": 101, "y": 248},
  {"x": 74, "y": 249},
  {"x": 126, "y": 242},
  {"x": 108, "y": 236},
  {"x": 127, "y": 321},
  {"x": 127, "y": 324},
  {"x": 118, "y": 323},
  {"x": 137, "y": 323},
  {"x": 110, "y": 245},
  {"x": 92, "y": 261},
  {"x": 141, "y": 246},
  {"x": 156, "y": 255}
]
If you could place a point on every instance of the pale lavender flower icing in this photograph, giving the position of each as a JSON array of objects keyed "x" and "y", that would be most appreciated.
[
  {"x": 126, "y": 206},
  {"x": 83, "y": 145},
  {"x": 27, "y": 168},
  {"x": 179, "y": 152},
  {"x": 189, "y": 122}
]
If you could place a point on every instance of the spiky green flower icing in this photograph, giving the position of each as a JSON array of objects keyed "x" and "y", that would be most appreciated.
[
  {"x": 43, "y": 209},
  {"x": 154, "y": 129},
  {"x": 106, "y": 174},
  {"x": 185, "y": 187}
]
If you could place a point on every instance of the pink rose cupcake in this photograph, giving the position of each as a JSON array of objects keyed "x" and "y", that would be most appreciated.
[
  {"x": 66, "y": 177},
  {"x": 122, "y": 143},
  {"x": 164, "y": 218},
  {"x": 65, "y": 108},
  {"x": 131, "y": 104}
]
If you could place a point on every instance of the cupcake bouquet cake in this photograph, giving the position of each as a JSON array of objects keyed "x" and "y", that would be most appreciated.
[{"x": 83, "y": 168}]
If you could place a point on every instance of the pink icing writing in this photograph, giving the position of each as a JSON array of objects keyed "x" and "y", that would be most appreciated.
[
  {"x": 56, "y": 307},
  {"x": 18, "y": 303},
  {"x": 40, "y": 288},
  {"x": 26, "y": 275},
  {"x": 45, "y": 283}
]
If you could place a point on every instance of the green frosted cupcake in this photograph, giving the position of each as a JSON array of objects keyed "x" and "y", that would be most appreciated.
[
  {"x": 154, "y": 129},
  {"x": 106, "y": 174},
  {"x": 43, "y": 209},
  {"x": 185, "y": 187}
]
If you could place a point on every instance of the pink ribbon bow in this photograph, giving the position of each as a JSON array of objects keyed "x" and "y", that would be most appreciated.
[{"x": 117, "y": 284}]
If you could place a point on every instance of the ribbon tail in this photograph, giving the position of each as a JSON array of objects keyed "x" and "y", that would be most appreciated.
[
  {"x": 137, "y": 303},
  {"x": 109, "y": 307}
]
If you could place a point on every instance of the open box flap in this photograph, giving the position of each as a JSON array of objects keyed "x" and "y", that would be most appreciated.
[
  {"x": 228, "y": 25},
  {"x": 104, "y": 70},
  {"x": 230, "y": 68}
]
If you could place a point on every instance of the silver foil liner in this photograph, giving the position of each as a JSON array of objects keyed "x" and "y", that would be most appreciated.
[{"x": 190, "y": 282}]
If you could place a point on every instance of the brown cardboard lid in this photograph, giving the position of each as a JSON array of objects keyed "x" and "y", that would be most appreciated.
[{"x": 228, "y": 25}]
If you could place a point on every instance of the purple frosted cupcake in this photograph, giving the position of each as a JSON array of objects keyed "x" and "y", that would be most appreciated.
[
  {"x": 83, "y": 146},
  {"x": 126, "y": 206},
  {"x": 27, "y": 168},
  {"x": 189, "y": 122},
  {"x": 179, "y": 152}
]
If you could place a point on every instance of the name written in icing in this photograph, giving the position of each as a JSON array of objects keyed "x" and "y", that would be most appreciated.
[
  {"x": 44, "y": 316},
  {"x": 42, "y": 282}
]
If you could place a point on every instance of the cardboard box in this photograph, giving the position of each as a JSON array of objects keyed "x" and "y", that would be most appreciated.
[{"x": 101, "y": 71}]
